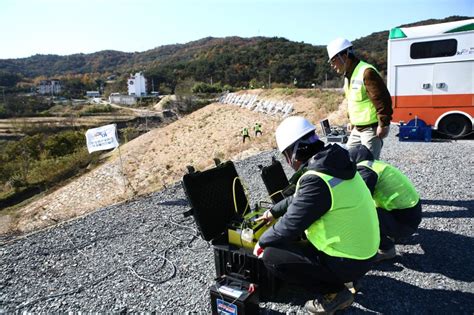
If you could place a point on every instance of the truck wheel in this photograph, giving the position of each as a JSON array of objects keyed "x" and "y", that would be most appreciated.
[{"x": 455, "y": 126}]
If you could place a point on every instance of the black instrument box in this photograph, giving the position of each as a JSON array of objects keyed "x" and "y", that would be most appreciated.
[
  {"x": 217, "y": 200},
  {"x": 275, "y": 180}
]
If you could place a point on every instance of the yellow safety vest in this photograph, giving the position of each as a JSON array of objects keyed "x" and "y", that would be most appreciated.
[
  {"x": 393, "y": 189},
  {"x": 361, "y": 109},
  {"x": 350, "y": 228}
]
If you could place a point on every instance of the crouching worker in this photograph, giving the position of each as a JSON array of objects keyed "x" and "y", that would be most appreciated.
[
  {"x": 333, "y": 207},
  {"x": 398, "y": 203}
]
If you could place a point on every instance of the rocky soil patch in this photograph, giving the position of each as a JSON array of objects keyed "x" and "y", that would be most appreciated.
[{"x": 142, "y": 255}]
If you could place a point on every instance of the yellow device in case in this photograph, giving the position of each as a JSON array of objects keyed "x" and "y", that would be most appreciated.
[{"x": 247, "y": 233}]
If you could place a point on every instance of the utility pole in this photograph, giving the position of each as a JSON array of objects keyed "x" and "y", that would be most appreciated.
[
  {"x": 269, "y": 80},
  {"x": 326, "y": 82}
]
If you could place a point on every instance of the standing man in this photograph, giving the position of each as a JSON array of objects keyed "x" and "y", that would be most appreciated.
[
  {"x": 245, "y": 134},
  {"x": 333, "y": 207},
  {"x": 368, "y": 101},
  {"x": 258, "y": 129}
]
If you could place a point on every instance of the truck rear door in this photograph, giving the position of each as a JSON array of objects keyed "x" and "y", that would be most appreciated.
[
  {"x": 453, "y": 84},
  {"x": 414, "y": 86}
]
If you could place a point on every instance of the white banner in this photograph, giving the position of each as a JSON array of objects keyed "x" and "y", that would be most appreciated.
[{"x": 102, "y": 138}]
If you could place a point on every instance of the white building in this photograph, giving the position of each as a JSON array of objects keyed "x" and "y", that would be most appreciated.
[
  {"x": 117, "y": 98},
  {"x": 48, "y": 87},
  {"x": 137, "y": 85},
  {"x": 92, "y": 94}
]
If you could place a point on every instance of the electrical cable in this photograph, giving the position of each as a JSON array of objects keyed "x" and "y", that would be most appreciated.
[
  {"x": 170, "y": 219},
  {"x": 234, "y": 196},
  {"x": 193, "y": 232},
  {"x": 190, "y": 241},
  {"x": 165, "y": 260},
  {"x": 76, "y": 290},
  {"x": 194, "y": 235},
  {"x": 82, "y": 287},
  {"x": 130, "y": 267},
  {"x": 277, "y": 192}
]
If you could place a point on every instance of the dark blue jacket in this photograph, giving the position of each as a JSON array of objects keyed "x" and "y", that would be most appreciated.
[{"x": 313, "y": 198}]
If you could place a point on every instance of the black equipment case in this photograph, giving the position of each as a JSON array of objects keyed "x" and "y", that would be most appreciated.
[
  {"x": 275, "y": 180},
  {"x": 217, "y": 199}
]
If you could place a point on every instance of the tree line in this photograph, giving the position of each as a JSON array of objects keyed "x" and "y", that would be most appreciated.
[{"x": 234, "y": 61}]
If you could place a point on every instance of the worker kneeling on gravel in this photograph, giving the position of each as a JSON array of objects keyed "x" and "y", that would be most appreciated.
[
  {"x": 398, "y": 203},
  {"x": 333, "y": 207}
]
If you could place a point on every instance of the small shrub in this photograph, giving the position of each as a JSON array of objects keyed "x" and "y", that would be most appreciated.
[
  {"x": 95, "y": 109},
  {"x": 288, "y": 91},
  {"x": 64, "y": 143},
  {"x": 206, "y": 88},
  {"x": 129, "y": 134}
]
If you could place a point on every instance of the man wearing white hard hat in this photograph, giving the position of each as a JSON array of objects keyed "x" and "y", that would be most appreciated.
[
  {"x": 333, "y": 207},
  {"x": 369, "y": 103}
]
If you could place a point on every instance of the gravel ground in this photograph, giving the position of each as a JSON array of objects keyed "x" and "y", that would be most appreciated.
[{"x": 143, "y": 256}]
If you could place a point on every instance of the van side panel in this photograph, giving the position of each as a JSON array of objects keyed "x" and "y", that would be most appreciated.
[
  {"x": 414, "y": 80},
  {"x": 430, "y": 88},
  {"x": 453, "y": 78}
]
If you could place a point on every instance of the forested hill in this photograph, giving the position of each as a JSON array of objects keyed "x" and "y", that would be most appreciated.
[{"x": 231, "y": 60}]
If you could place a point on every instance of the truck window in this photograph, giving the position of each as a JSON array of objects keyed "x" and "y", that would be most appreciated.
[{"x": 433, "y": 49}]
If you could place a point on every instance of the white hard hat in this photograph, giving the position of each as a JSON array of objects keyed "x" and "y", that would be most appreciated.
[
  {"x": 337, "y": 45},
  {"x": 292, "y": 129}
]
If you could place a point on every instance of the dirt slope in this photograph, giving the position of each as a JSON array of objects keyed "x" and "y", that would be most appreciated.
[{"x": 159, "y": 158}]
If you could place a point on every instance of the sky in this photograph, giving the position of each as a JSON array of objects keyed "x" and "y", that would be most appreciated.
[{"x": 65, "y": 27}]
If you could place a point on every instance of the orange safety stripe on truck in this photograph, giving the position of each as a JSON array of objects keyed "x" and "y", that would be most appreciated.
[
  {"x": 429, "y": 115},
  {"x": 428, "y": 101}
]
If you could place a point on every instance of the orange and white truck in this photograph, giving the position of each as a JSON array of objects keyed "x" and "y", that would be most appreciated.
[{"x": 430, "y": 75}]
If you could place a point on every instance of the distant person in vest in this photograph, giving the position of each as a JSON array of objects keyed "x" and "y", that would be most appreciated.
[
  {"x": 369, "y": 103},
  {"x": 258, "y": 129},
  {"x": 333, "y": 207},
  {"x": 398, "y": 203},
  {"x": 245, "y": 134}
]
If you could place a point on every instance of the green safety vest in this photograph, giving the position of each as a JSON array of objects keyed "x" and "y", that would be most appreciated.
[
  {"x": 350, "y": 228},
  {"x": 361, "y": 109},
  {"x": 393, "y": 189},
  {"x": 245, "y": 132},
  {"x": 257, "y": 127}
]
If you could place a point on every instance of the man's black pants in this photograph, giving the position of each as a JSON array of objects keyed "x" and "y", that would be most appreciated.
[
  {"x": 302, "y": 264},
  {"x": 397, "y": 224}
]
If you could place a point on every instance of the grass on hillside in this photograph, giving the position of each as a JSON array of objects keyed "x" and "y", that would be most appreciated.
[{"x": 159, "y": 158}]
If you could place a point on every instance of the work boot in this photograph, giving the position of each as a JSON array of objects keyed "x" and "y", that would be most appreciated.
[
  {"x": 330, "y": 303},
  {"x": 385, "y": 254}
]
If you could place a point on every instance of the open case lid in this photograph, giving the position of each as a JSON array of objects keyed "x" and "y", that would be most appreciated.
[
  {"x": 216, "y": 197},
  {"x": 275, "y": 180}
]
